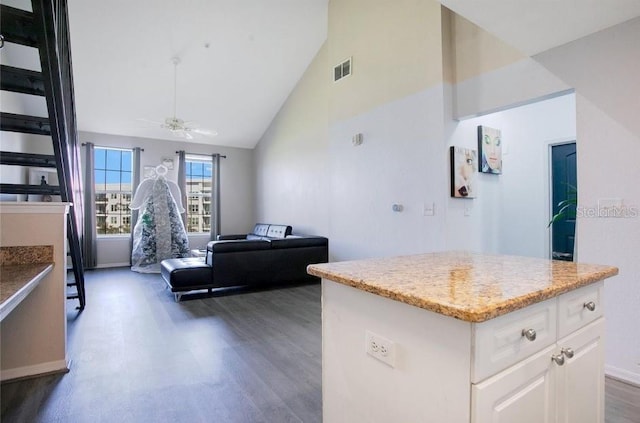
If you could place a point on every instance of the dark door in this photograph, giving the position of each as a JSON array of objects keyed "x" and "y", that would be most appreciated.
[{"x": 564, "y": 187}]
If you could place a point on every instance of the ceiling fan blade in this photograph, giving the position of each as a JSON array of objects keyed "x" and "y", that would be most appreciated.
[
  {"x": 181, "y": 133},
  {"x": 205, "y": 132}
]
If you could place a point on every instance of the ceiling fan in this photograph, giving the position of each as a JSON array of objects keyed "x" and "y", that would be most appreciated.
[{"x": 179, "y": 127}]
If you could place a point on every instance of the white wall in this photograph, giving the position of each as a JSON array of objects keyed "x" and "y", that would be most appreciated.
[
  {"x": 604, "y": 70},
  {"x": 291, "y": 160},
  {"x": 511, "y": 213},
  {"x": 490, "y": 75},
  {"x": 236, "y": 193},
  {"x": 312, "y": 176},
  {"x": 403, "y": 157},
  {"x": 25, "y": 57},
  {"x": 401, "y": 161}
]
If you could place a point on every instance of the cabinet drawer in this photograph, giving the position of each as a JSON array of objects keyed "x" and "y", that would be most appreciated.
[
  {"x": 574, "y": 308},
  {"x": 501, "y": 342}
]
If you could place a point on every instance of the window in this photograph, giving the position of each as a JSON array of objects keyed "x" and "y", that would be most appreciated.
[
  {"x": 198, "y": 193},
  {"x": 113, "y": 171}
]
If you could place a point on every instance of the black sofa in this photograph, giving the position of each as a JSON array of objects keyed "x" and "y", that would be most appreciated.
[{"x": 270, "y": 255}]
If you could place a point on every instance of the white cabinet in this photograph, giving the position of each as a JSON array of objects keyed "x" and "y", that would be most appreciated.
[
  {"x": 523, "y": 393},
  {"x": 580, "y": 381},
  {"x": 454, "y": 371},
  {"x": 563, "y": 383}
]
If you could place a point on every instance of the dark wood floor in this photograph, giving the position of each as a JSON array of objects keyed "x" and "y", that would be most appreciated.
[
  {"x": 622, "y": 402},
  {"x": 137, "y": 356}
]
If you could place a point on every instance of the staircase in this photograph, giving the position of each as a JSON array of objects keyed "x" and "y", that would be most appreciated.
[{"x": 46, "y": 29}]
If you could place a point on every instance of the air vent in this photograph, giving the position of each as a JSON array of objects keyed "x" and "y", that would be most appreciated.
[{"x": 342, "y": 70}]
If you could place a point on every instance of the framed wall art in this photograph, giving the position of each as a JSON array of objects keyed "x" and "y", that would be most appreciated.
[
  {"x": 464, "y": 166},
  {"x": 490, "y": 149},
  {"x": 148, "y": 172},
  {"x": 167, "y": 162}
]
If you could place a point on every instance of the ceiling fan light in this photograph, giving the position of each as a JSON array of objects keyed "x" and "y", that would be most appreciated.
[{"x": 173, "y": 123}]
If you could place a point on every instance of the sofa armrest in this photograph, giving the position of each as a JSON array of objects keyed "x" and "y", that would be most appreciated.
[
  {"x": 230, "y": 246},
  {"x": 300, "y": 242},
  {"x": 231, "y": 237}
]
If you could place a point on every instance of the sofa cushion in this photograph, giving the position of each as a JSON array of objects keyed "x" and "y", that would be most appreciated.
[
  {"x": 260, "y": 229},
  {"x": 279, "y": 231},
  {"x": 252, "y": 237}
]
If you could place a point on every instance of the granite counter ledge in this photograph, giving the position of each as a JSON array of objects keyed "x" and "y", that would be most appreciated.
[
  {"x": 21, "y": 270},
  {"x": 468, "y": 286}
]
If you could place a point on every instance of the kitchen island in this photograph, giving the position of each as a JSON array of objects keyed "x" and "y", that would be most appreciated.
[{"x": 462, "y": 337}]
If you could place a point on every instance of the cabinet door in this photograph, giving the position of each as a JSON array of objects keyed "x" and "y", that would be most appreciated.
[
  {"x": 581, "y": 379},
  {"x": 523, "y": 393}
]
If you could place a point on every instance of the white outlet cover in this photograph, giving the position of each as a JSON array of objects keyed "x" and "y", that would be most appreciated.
[{"x": 384, "y": 350}]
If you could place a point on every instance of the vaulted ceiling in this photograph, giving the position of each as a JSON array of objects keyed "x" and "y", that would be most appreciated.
[
  {"x": 240, "y": 59},
  {"x": 534, "y": 26}
]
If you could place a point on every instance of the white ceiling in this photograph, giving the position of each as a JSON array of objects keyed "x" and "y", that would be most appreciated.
[
  {"x": 240, "y": 59},
  {"x": 534, "y": 26},
  {"x": 257, "y": 51}
]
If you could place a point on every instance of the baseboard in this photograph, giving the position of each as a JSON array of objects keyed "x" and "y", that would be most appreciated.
[
  {"x": 109, "y": 265},
  {"x": 622, "y": 375},
  {"x": 42, "y": 369}
]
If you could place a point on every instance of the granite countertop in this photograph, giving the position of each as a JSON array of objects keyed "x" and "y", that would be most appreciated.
[
  {"x": 468, "y": 286},
  {"x": 21, "y": 270}
]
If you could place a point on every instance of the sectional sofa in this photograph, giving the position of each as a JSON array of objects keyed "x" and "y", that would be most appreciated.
[{"x": 269, "y": 255}]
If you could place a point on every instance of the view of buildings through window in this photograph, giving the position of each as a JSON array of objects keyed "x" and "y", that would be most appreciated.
[
  {"x": 198, "y": 193},
  {"x": 113, "y": 188},
  {"x": 113, "y": 171}
]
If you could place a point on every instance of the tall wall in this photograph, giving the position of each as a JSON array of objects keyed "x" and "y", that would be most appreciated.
[
  {"x": 236, "y": 191},
  {"x": 414, "y": 70},
  {"x": 291, "y": 161},
  {"x": 310, "y": 173},
  {"x": 394, "y": 98},
  {"x": 604, "y": 69}
]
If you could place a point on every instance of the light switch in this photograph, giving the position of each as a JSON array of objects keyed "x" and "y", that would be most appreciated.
[{"x": 429, "y": 209}]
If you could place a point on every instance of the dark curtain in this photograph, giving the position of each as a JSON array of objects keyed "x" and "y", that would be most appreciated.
[
  {"x": 182, "y": 184},
  {"x": 89, "y": 248},
  {"x": 215, "y": 197},
  {"x": 135, "y": 183}
]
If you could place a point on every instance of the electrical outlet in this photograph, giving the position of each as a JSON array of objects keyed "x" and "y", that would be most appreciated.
[{"x": 381, "y": 348}]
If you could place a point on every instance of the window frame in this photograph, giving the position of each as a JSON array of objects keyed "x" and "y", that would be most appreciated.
[
  {"x": 104, "y": 198},
  {"x": 204, "y": 212}
]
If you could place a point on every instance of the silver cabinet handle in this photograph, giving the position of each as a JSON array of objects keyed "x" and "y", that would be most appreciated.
[
  {"x": 530, "y": 334},
  {"x": 558, "y": 359},
  {"x": 568, "y": 352},
  {"x": 591, "y": 306}
]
